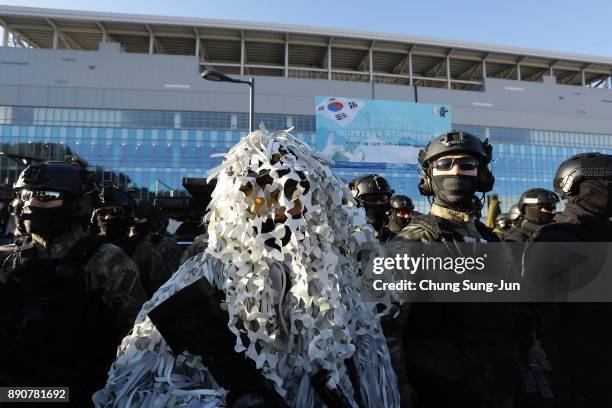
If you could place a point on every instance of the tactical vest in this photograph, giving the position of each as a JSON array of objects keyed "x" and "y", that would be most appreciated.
[
  {"x": 445, "y": 231},
  {"x": 461, "y": 349},
  {"x": 129, "y": 245},
  {"x": 60, "y": 333},
  {"x": 562, "y": 231},
  {"x": 156, "y": 239},
  {"x": 523, "y": 232}
]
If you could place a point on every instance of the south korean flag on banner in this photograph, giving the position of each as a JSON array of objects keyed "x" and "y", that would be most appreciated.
[{"x": 340, "y": 110}]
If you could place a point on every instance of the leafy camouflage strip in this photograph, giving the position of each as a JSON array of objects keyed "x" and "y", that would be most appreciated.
[
  {"x": 319, "y": 323},
  {"x": 111, "y": 269},
  {"x": 147, "y": 373},
  {"x": 170, "y": 252},
  {"x": 151, "y": 265}
]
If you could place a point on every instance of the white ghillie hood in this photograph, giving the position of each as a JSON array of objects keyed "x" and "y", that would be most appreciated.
[{"x": 293, "y": 287}]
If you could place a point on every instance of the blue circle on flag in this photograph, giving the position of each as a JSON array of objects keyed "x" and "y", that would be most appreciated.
[{"x": 335, "y": 106}]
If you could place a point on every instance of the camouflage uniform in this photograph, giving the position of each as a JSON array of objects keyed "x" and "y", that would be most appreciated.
[
  {"x": 166, "y": 245},
  {"x": 151, "y": 265},
  {"x": 198, "y": 245},
  {"x": 108, "y": 269},
  {"x": 59, "y": 326},
  {"x": 463, "y": 224}
]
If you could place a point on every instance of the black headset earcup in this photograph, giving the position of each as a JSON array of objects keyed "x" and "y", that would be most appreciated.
[
  {"x": 425, "y": 186},
  {"x": 487, "y": 180}
]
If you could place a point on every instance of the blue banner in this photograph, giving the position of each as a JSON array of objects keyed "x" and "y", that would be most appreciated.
[{"x": 373, "y": 133}]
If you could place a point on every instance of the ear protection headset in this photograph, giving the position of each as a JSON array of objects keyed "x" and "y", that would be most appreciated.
[{"x": 451, "y": 143}]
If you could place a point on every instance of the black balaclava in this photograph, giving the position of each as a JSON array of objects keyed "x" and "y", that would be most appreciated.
[
  {"x": 48, "y": 223},
  {"x": 142, "y": 228},
  {"x": 595, "y": 197},
  {"x": 376, "y": 215},
  {"x": 114, "y": 228},
  {"x": 455, "y": 192},
  {"x": 398, "y": 223},
  {"x": 533, "y": 214}
]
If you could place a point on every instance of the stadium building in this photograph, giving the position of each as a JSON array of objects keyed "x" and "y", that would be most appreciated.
[{"x": 124, "y": 92}]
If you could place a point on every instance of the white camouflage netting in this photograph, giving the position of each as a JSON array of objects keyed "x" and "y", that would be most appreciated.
[{"x": 318, "y": 323}]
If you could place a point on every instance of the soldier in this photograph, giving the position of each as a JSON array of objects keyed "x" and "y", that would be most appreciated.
[
  {"x": 400, "y": 214},
  {"x": 271, "y": 315},
  {"x": 514, "y": 214},
  {"x": 198, "y": 245},
  {"x": 453, "y": 354},
  {"x": 502, "y": 224},
  {"x": 114, "y": 217},
  {"x": 372, "y": 193},
  {"x": 537, "y": 207},
  {"x": 576, "y": 336},
  {"x": 165, "y": 243},
  {"x": 147, "y": 226},
  {"x": 514, "y": 218},
  {"x": 66, "y": 297}
]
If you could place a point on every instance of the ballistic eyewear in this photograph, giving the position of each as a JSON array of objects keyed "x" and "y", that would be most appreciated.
[
  {"x": 375, "y": 199},
  {"x": 404, "y": 213},
  {"x": 464, "y": 163},
  {"x": 110, "y": 211},
  {"x": 41, "y": 195}
]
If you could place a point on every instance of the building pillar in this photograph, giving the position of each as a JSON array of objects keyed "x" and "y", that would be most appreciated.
[
  {"x": 197, "y": 45},
  {"x": 329, "y": 61},
  {"x": 55, "y": 38},
  {"x": 448, "y": 73},
  {"x": 371, "y": 65},
  {"x": 5, "y": 34},
  {"x": 286, "y": 56},
  {"x": 242, "y": 56},
  {"x": 411, "y": 81},
  {"x": 484, "y": 71}
]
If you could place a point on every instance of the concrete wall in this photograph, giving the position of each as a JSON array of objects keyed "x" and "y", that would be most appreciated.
[{"x": 110, "y": 79}]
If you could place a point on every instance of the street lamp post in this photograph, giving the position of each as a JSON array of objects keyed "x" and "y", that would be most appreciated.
[{"x": 217, "y": 76}]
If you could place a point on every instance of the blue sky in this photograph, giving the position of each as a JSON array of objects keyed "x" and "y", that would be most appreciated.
[{"x": 581, "y": 27}]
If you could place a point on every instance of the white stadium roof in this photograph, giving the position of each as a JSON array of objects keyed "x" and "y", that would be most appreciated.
[{"x": 238, "y": 47}]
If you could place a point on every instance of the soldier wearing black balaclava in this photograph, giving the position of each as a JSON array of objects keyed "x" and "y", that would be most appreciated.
[
  {"x": 577, "y": 337},
  {"x": 114, "y": 217},
  {"x": 537, "y": 207},
  {"x": 502, "y": 224},
  {"x": 66, "y": 297},
  {"x": 114, "y": 213},
  {"x": 165, "y": 243},
  {"x": 514, "y": 220},
  {"x": 145, "y": 217},
  {"x": 400, "y": 214},
  {"x": 373, "y": 192},
  {"x": 438, "y": 349}
]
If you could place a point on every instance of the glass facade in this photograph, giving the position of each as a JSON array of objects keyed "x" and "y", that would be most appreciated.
[{"x": 141, "y": 147}]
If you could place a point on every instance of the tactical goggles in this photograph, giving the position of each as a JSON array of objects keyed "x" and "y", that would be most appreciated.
[
  {"x": 110, "y": 212},
  {"x": 375, "y": 199},
  {"x": 549, "y": 208},
  {"x": 41, "y": 195},
  {"x": 464, "y": 163},
  {"x": 404, "y": 213}
]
